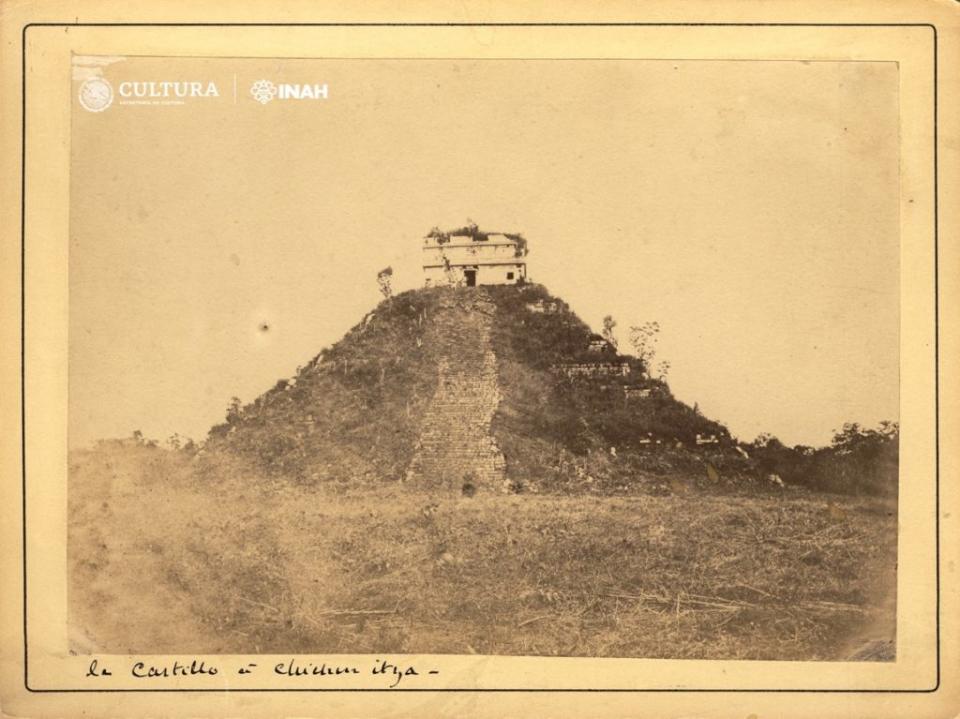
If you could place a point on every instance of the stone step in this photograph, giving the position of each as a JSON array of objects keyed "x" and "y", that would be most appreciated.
[{"x": 456, "y": 444}]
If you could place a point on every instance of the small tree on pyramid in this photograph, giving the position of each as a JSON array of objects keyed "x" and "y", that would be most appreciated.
[
  {"x": 609, "y": 326},
  {"x": 644, "y": 338},
  {"x": 385, "y": 280}
]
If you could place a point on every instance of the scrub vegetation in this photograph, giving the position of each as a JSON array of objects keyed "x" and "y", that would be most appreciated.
[
  {"x": 164, "y": 559},
  {"x": 630, "y": 525}
]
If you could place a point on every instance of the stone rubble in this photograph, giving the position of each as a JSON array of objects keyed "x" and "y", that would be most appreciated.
[{"x": 456, "y": 449}]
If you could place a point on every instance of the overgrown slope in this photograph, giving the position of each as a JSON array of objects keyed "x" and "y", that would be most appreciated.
[
  {"x": 580, "y": 430},
  {"x": 356, "y": 411}
]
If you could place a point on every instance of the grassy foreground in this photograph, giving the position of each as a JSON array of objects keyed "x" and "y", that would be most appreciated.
[{"x": 165, "y": 557}]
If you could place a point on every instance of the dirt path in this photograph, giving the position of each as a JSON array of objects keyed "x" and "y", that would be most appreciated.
[{"x": 120, "y": 599}]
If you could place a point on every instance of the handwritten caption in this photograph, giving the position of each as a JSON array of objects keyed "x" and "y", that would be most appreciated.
[{"x": 392, "y": 672}]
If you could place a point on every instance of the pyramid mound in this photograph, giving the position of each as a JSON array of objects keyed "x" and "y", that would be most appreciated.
[{"x": 490, "y": 388}]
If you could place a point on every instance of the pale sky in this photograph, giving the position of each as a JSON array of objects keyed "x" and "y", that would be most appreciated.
[{"x": 748, "y": 207}]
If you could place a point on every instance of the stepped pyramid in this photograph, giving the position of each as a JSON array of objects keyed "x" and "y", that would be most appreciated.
[{"x": 487, "y": 388}]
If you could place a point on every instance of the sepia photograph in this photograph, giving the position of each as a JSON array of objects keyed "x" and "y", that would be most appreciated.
[
  {"x": 538, "y": 358},
  {"x": 479, "y": 362}
]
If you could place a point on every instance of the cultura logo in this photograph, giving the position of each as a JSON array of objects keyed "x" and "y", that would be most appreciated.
[
  {"x": 96, "y": 94},
  {"x": 263, "y": 91}
]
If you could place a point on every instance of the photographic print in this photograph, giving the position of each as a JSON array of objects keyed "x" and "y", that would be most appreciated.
[
  {"x": 542, "y": 358},
  {"x": 435, "y": 362}
]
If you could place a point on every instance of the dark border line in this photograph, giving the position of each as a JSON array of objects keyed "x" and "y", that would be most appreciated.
[
  {"x": 23, "y": 404},
  {"x": 478, "y": 24},
  {"x": 23, "y": 332},
  {"x": 936, "y": 337}
]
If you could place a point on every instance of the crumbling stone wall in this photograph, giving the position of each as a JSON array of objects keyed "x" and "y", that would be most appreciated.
[
  {"x": 456, "y": 449},
  {"x": 593, "y": 369}
]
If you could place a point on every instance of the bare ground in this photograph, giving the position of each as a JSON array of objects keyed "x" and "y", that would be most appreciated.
[{"x": 165, "y": 558}]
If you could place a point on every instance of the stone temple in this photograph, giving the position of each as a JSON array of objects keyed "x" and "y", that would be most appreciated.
[{"x": 469, "y": 257}]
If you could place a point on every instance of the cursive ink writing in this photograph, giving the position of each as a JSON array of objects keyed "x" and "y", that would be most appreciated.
[
  {"x": 385, "y": 667},
  {"x": 393, "y": 673},
  {"x": 297, "y": 669},
  {"x": 142, "y": 671},
  {"x": 95, "y": 671}
]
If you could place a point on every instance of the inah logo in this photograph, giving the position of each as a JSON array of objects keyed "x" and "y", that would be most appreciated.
[
  {"x": 303, "y": 92},
  {"x": 96, "y": 94},
  {"x": 263, "y": 91}
]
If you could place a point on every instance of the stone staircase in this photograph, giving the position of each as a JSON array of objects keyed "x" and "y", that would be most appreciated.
[{"x": 456, "y": 450}]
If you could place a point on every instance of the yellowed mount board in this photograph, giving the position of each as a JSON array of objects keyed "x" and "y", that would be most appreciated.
[{"x": 93, "y": 91}]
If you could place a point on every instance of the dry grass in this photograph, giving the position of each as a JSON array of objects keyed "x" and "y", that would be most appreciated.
[{"x": 163, "y": 560}]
